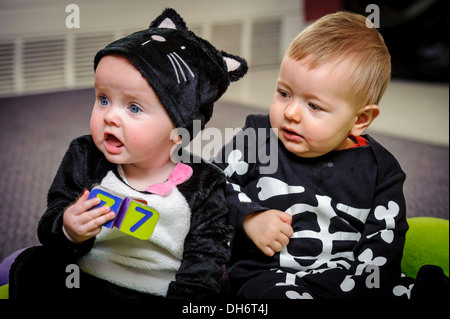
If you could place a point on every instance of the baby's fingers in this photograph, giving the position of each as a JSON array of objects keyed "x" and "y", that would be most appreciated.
[
  {"x": 267, "y": 251},
  {"x": 287, "y": 230},
  {"x": 91, "y": 203},
  {"x": 82, "y": 204},
  {"x": 99, "y": 216}
]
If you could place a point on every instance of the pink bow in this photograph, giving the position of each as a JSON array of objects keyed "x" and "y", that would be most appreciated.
[{"x": 180, "y": 174}]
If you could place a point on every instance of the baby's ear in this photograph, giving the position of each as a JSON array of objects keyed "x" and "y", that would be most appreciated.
[
  {"x": 169, "y": 19},
  {"x": 236, "y": 66},
  {"x": 366, "y": 115}
]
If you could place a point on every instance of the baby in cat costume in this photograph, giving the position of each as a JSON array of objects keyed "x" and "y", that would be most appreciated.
[{"x": 148, "y": 85}]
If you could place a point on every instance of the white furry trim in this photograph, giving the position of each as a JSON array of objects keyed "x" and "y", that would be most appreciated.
[{"x": 147, "y": 266}]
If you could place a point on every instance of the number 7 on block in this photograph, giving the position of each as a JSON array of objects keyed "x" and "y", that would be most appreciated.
[
  {"x": 147, "y": 215},
  {"x": 135, "y": 224}
]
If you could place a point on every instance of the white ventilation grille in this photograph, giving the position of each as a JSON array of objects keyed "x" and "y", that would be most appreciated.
[
  {"x": 6, "y": 67},
  {"x": 38, "y": 64},
  {"x": 266, "y": 40},
  {"x": 85, "y": 48},
  {"x": 43, "y": 63}
]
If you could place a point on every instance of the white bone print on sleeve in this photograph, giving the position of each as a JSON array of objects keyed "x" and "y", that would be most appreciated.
[{"x": 388, "y": 215}]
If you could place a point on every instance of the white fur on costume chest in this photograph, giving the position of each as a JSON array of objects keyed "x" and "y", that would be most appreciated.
[{"x": 144, "y": 265}]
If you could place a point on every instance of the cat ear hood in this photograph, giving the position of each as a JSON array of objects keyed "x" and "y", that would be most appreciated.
[{"x": 187, "y": 73}]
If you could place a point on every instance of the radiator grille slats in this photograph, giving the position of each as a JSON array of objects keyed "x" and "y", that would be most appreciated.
[{"x": 51, "y": 63}]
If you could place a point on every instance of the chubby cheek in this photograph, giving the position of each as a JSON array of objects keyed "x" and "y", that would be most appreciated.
[
  {"x": 136, "y": 141},
  {"x": 147, "y": 141},
  {"x": 275, "y": 119},
  {"x": 95, "y": 126}
]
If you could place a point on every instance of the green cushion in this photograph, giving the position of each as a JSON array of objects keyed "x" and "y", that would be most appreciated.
[
  {"x": 427, "y": 243},
  {"x": 4, "y": 293}
]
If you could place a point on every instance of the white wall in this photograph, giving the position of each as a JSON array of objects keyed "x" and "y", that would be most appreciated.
[
  {"x": 25, "y": 20},
  {"x": 46, "y": 16}
]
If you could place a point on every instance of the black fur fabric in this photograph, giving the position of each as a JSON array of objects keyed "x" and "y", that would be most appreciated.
[
  {"x": 187, "y": 73},
  {"x": 33, "y": 274}
]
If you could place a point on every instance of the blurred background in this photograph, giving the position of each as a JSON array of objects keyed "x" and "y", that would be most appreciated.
[
  {"x": 40, "y": 53},
  {"x": 46, "y": 80}
]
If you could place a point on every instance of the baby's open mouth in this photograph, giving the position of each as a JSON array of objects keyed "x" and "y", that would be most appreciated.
[
  {"x": 112, "y": 143},
  {"x": 111, "y": 139}
]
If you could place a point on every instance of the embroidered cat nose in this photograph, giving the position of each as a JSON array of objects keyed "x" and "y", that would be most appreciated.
[{"x": 156, "y": 38}]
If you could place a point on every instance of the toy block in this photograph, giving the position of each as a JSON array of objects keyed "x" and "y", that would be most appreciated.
[
  {"x": 114, "y": 201},
  {"x": 132, "y": 216}
]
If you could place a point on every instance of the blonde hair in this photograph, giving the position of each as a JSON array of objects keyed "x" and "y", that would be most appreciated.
[{"x": 345, "y": 35}]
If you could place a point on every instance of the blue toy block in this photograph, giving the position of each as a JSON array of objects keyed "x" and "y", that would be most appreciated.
[{"x": 131, "y": 216}]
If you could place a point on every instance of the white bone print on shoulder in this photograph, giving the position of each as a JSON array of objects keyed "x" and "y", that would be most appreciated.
[
  {"x": 271, "y": 187},
  {"x": 243, "y": 198},
  {"x": 236, "y": 164}
]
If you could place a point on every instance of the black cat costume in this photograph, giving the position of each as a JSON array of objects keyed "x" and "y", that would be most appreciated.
[{"x": 184, "y": 258}]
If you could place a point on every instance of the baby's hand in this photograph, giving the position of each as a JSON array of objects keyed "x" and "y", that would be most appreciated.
[
  {"x": 269, "y": 230},
  {"x": 80, "y": 223}
]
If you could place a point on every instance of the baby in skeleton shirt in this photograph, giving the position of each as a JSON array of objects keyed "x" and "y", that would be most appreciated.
[{"x": 318, "y": 207}]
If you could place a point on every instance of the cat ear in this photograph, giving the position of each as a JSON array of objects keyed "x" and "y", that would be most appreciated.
[
  {"x": 167, "y": 24},
  {"x": 236, "y": 66},
  {"x": 169, "y": 19}
]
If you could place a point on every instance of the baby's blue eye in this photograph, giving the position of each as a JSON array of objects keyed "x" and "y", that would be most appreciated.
[
  {"x": 283, "y": 94},
  {"x": 104, "y": 101},
  {"x": 134, "y": 108},
  {"x": 314, "y": 107}
]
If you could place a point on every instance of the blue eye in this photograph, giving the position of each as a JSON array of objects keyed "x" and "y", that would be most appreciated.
[
  {"x": 314, "y": 107},
  {"x": 135, "y": 109},
  {"x": 104, "y": 101},
  {"x": 283, "y": 94}
]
